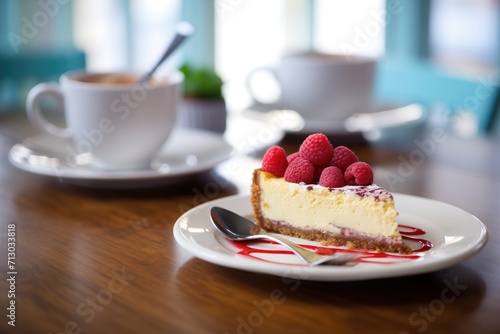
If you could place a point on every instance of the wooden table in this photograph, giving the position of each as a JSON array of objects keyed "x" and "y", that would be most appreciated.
[{"x": 105, "y": 261}]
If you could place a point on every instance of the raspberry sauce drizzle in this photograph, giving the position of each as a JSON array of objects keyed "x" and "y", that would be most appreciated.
[
  {"x": 247, "y": 248},
  {"x": 407, "y": 234}
]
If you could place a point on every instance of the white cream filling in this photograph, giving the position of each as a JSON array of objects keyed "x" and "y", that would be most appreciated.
[{"x": 326, "y": 210}]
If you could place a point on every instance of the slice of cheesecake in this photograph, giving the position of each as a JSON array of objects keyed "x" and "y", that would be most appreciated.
[{"x": 354, "y": 216}]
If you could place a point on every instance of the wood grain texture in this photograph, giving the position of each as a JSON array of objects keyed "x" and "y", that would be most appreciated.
[{"x": 105, "y": 261}]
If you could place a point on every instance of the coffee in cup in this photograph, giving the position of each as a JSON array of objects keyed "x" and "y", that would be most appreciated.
[
  {"x": 111, "y": 79},
  {"x": 119, "y": 122}
]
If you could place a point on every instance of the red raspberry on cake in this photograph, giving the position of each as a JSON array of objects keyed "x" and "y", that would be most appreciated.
[
  {"x": 292, "y": 157},
  {"x": 299, "y": 170},
  {"x": 332, "y": 177},
  {"x": 275, "y": 161},
  {"x": 343, "y": 158},
  {"x": 317, "y": 149},
  {"x": 359, "y": 173}
]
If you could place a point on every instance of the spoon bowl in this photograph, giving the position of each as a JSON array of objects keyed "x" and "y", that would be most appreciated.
[{"x": 236, "y": 227}]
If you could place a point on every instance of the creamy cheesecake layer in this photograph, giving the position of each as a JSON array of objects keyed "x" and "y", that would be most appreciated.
[{"x": 368, "y": 210}]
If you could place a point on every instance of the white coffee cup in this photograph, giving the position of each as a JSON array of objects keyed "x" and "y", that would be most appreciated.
[
  {"x": 321, "y": 86},
  {"x": 120, "y": 123}
]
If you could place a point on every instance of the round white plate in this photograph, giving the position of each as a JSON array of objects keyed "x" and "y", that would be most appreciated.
[
  {"x": 187, "y": 152},
  {"x": 454, "y": 233}
]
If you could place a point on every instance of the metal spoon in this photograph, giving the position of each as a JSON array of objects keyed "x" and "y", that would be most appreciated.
[
  {"x": 182, "y": 31},
  {"x": 236, "y": 227}
]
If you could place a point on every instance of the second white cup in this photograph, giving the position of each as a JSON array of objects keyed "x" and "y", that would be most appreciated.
[{"x": 321, "y": 86}]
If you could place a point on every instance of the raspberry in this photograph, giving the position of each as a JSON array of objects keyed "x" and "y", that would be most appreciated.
[
  {"x": 359, "y": 173},
  {"x": 331, "y": 177},
  {"x": 318, "y": 169},
  {"x": 299, "y": 170},
  {"x": 292, "y": 157},
  {"x": 274, "y": 161},
  {"x": 343, "y": 158},
  {"x": 317, "y": 149}
]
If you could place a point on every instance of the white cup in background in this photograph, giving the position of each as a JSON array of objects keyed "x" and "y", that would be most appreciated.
[
  {"x": 120, "y": 122},
  {"x": 321, "y": 86}
]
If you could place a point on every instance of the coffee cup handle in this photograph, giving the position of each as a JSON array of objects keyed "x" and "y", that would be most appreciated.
[
  {"x": 249, "y": 85},
  {"x": 35, "y": 113}
]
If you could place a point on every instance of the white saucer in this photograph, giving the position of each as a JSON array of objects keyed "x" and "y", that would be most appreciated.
[
  {"x": 387, "y": 116},
  {"x": 187, "y": 152},
  {"x": 251, "y": 136},
  {"x": 454, "y": 233}
]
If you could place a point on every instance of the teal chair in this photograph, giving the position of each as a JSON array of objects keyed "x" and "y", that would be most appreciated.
[
  {"x": 19, "y": 72},
  {"x": 421, "y": 82},
  {"x": 408, "y": 74},
  {"x": 30, "y": 62}
]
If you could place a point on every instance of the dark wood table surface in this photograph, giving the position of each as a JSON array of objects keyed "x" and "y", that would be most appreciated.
[{"x": 105, "y": 261}]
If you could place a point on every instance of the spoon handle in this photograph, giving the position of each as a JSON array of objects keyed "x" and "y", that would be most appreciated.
[
  {"x": 307, "y": 255},
  {"x": 183, "y": 30}
]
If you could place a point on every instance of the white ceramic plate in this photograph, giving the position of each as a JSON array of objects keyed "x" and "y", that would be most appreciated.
[
  {"x": 187, "y": 152},
  {"x": 454, "y": 233}
]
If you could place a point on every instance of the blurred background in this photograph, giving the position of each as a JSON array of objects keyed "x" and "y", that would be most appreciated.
[{"x": 444, "y": 54}]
